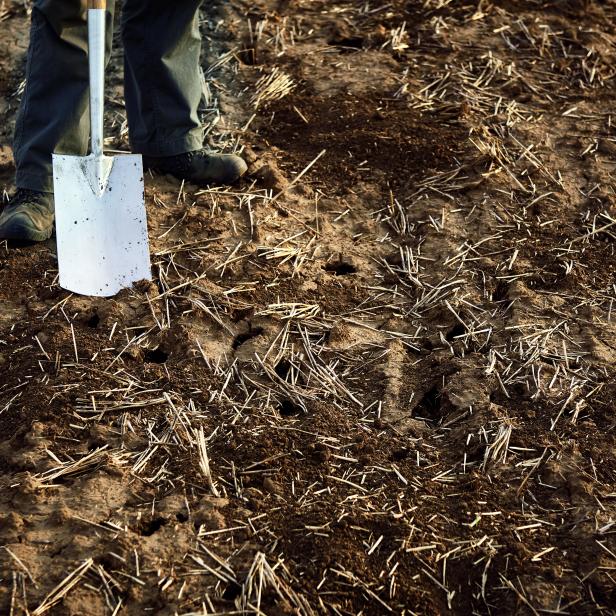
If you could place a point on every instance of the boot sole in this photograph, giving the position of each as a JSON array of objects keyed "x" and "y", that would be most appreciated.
[
  {"x": 25, "y": 235},
  {"x": 153, "y": 168}
]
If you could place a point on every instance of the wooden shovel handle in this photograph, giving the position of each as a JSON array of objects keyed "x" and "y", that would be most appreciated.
[{"x": 97, "y": 4}]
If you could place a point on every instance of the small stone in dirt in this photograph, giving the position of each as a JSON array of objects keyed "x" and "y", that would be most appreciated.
[
  {"x": 321, "y": 453},
  {"x": 134, "y": 352},
  {"x": 132, "y": 442},
  {"x": 146, "y": 287},
  {"x": 2, "y": 360},
  {"x": 250, "y": 156},
  {"x": 173, "y": 504},
  {"x": 212, "y": 519},
  {"x": 103, "y": 435},
  {"x": 11, "y": 526},
  {"x": 207, "y": 513},
  {"x": 214, "y": 502},
  {"x": 271, "y": 486},
  {"x": 61, "y": 515},
  {"x": 254, "y": 496},
  {"x": 271, "y": 177},
  {"x": 35, "y": 435},
  {"x": 607, "y": 147}
]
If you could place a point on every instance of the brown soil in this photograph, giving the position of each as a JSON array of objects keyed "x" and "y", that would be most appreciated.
[
  {"x": 362, "y": 136},
  {"x": 402, "y": 365}
]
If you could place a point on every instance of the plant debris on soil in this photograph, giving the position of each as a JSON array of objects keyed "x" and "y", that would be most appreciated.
[{"x": 375, "y": 377}]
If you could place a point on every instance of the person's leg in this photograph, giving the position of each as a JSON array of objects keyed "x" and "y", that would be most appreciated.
[
  {"x": 163, "y": 90},
  {"x": 53, "y": 116},
  {"x": 54, "y": 111},
  {"x": 162, "y": 46}
]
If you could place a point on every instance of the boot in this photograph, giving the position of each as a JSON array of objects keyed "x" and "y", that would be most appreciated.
[
  {"x": 199, "y": 167},
  {"x": 28, "y": 216}
]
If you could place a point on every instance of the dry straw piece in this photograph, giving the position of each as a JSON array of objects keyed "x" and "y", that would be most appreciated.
[{"x": 271, "y": 87}]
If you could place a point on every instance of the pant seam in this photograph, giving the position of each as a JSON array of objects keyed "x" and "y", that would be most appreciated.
[
  {"x": 155, "y": 101},
  {"x": 32, "y": 51},
  {"x": 157, "y": 144}
]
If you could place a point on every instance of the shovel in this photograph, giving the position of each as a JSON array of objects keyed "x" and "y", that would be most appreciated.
[{"x": 101, "y": 227}]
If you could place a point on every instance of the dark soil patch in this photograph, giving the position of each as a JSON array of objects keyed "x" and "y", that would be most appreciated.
[{"x": 361, "y": 136}]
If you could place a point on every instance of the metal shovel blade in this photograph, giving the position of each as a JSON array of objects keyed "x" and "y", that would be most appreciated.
[{"x": 101, "y": 228}]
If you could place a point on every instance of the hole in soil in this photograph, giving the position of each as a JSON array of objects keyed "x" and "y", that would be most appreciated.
[
  {"x": 455, "y": 331},
  {"x": 156, "y": 356},
  {"x": 430, "y": 406},
  {"x": 240, "y": 339},
  {"x": 232, "y": 592},
  {"x": 239, "y": 314},
  {"x": 282, "y": 369},
  {"x": 606, "y": 238},
  {"x": 352, "y": 42},
  {"x": 93, "y": 321},
  {"x": 520, "y": 389},
  {"x": 248, "y": 56},
  {"x": 340, "y": 268},
  {"x": 106, "y": 560},
  {"x": 501, "y": 293},
  {"x": 181, "y": 517},
  {"x": 400, "y": 454},
  {"x": 288, "y": 408},
  {"x": 287, "y": 372},
  {"x": 149, "y": 528}
]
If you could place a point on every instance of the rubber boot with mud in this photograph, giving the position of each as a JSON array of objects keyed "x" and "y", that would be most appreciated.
[
  {"x": 199, "y": 167},
  {"x": 28, "y": 216}
]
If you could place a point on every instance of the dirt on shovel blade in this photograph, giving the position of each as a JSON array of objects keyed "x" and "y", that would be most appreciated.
[{"x": 375, "y": 377}]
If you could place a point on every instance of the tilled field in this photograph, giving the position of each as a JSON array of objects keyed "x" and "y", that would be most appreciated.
[{"x": 376, "y": 377}]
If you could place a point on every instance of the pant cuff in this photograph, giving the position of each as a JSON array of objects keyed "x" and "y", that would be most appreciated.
[
  {"x": 41, "y": 182},
  {"x": 192, "y": 141}
]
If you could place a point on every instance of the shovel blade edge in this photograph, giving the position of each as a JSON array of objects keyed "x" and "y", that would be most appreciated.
[{"x": 102, "y": 240}]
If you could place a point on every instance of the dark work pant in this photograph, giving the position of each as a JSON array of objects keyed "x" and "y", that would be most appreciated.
[{"x": 162, "y": 83}]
